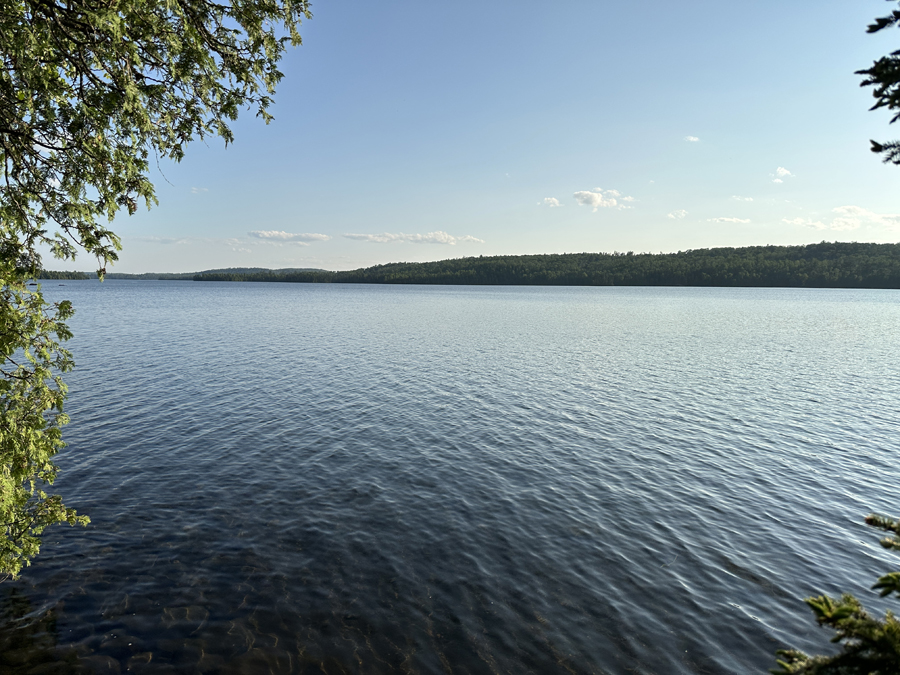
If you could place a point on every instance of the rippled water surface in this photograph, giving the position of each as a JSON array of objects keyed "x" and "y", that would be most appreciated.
[{"x": 368, "y": 479}]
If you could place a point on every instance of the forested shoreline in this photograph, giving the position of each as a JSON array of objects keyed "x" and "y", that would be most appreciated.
[
  {"x": 164, "y": 276},
  {"x": 823, "y": 265},
  {"x": 50, "y": 274}
]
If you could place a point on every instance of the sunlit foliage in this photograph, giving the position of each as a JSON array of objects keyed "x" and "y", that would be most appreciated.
[
  {"x": 31, "y": 414},
  {"x": 90, "y": 94}
]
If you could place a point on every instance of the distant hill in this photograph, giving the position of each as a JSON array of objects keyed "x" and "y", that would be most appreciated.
[
  {"x": 186, "y": 276},
  {"x": 169, "y": 276},
  {"x": 824, "y": 265}
]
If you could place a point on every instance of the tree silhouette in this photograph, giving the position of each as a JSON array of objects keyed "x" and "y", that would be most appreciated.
[{"x": 884, "y": 75}]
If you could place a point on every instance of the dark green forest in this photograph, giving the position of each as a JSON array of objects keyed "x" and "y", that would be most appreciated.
[{"x": 824, "y": 265}]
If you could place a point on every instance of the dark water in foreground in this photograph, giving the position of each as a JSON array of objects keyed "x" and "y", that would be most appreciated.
[{"x": 362, "y": 479}]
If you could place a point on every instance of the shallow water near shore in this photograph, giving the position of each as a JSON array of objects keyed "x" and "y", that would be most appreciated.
[{"x": 295, "y": 478}]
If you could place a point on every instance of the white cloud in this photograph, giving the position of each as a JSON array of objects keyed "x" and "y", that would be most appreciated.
[
  {"x": 197, "y": 191},
  {"x": 379, "y": 238},
  {"x": 236, "y": 245},
  {"x": 302, "y": 238},
  {"x": 780, "y": 174},
  {"x": 728, "y": 220},
  {"x": 166, "y": 240},
  {"x": 806, "y": 222},
  {"x": 854, "y": 217},
  {"x": 849, "y": 218},
  {"x": 678, "y": 215},
  {"x": 598, "y": 197},
  {"x": 552, "y": 202},
  {"x": 437, "y": 237},
  {"x": 742, "y": 199},
  {"x": 691, "y": 139}
]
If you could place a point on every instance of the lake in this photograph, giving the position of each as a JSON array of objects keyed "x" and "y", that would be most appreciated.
[{"x": 296, "y": 478}]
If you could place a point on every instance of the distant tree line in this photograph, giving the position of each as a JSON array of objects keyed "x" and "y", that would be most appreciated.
[
  {"x": 48, "y": 274},
  {"x": 824, "y": 265},
  {"x": 167, "y": 276},
  {"x": 187, "y": 276}
]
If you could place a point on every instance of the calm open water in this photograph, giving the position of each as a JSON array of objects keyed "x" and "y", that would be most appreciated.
[{"x": 295, "y": 478}]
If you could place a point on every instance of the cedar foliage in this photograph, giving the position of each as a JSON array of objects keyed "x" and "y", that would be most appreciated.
[
  {"x": 870, "y": 645},
  {"x": 884, "y": 77}
]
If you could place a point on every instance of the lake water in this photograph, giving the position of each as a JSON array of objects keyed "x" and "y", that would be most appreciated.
[{"x": 296, "y": 478}]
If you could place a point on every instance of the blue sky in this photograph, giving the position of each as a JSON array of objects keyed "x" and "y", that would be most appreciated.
[{"x": 426, "y": 130}]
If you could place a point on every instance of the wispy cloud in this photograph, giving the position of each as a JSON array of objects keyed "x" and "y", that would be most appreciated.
[
  {"x": 692, "y": 139},
  {"x": 738, "y": 198},
  {"x": 806, "y": 222},
  {"x": 302, "y": 238},
  {"x": 600, "y": 198},
  {"x": 166, "y": 240},
  {"x": 848, "y": 218},
  {"x": 198, "y": 190},
  {"x": 552, "y": 202},
  {"x": 236, "y": 244},
  {"x": 853, "y": 217},
  {"x": 728, "y": 220},
  {"x": 677, "y": 215},
  {"x": 437, "y": 237}
]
